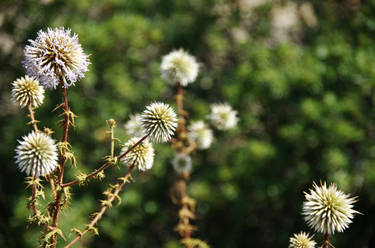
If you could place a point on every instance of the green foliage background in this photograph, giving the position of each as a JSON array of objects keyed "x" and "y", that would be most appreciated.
[{"x": 305, "y": 97}]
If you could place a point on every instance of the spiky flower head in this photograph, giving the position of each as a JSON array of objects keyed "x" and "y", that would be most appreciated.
[
  {"x": 54, "y": 54},
  {"x": 26, "y": 90},
  {"x": 159, "y": 121},
  {"x": 182, "y": 163},
  {"x": 301, "y": 240},
  {"x": 36, "y": 154},
  {"x": 199, "y": 133},
  {"x": 223, "y": 117},
  {"x": 133, "y": 126},
  {"x": 179, "y": 67},
  {"x": 328, "y": 209},
  {"x": 141, "y": 156}
]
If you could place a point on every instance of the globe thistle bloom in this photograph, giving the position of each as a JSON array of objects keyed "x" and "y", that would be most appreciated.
[
  {"x": 301, "y": 240},
  {"x": 141, "y": 156},
  {"x": 179, "y": 67},
  {"x": 328, "y": 209},
  {"x": 133, "y": 126},
  {"x": 159, "y": 121},
  {"x": 182, "y": 163},
  {"x": 199, "y": 133},
  {"x": 26, "y": 90},
  {"x": 36, "y": 153},
  {"x": 223, "y": 117},
  {"x": 54, "y": 54}
]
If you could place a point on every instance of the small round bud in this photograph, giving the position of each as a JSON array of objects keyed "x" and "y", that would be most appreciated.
[
  {"x": 36, "y": 153},
  {"x": 199, "y": 133},
  {"x": 159, "y": 121},
  {"x": 182, "y": 163},
  {"x": 26, "y": 90},
  {"x": 328, "y": 209},
  {"x": 179, "y": 67},
  {"x": 111, "y": 123},
  {"x": 141, "y": 156},
  {"x": 223, "y": 117}
]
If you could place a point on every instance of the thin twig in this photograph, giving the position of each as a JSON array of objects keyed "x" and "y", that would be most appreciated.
[
  {"x": 32, "y": 117},
  {"x": 99, "y": 215},
  {"x": 106, "y": 165},
  {"x": 33, "y": 196}
]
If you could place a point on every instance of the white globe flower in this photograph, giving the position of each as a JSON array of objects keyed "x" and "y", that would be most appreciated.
[
  {"x": 36, "y": 154},
  {"x": 159, "y": 121},
  {"x": 133, "y": 126},
  {"x": 179, "y": 67},
  {"x": 301, "y": 240},
  {"x": 199, "y": 133},
  {"x": 223, "y": 117},
  {"x": 26, "y": 90},
  {"x": 141, "y": 156},
  {"x": 328, "y": 209},
  {"x": 53, "y": 55}
]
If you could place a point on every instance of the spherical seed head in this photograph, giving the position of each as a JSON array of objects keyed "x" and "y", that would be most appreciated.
[
  {"x": 179, "y": 67},
  {"x": 301, "y": 240},
  {"x": 223, "y": 117},
  {"x": 133, "y": 126},
  {"x": 159, "y": 121},
  {"x": 36, "y": 153},
  {"x": 328, "y": 209},
  {"x": 26, "y": 90},
  {"x": 141, "y": 156},
  {"x": 182, "y": 163},
  {"x": 199, "y": 133},
  {"x": 54, "y": 54}
]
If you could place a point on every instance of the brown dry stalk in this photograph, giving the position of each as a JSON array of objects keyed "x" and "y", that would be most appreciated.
[
  {"x": 32, "y": 117},
  {"x": 64, "y": 139},
  {"x": 99, "y": 215},
  {"x": 186, "y": 149}
]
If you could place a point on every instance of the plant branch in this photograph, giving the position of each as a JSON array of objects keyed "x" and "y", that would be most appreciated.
[
  {"x": 64, "y": 139},
  {"x": 32, "y": 117},
  {"x": 104, "y": 207},
  {"x": 326, "y": 242},
  {"x": 106, "y": 165}
]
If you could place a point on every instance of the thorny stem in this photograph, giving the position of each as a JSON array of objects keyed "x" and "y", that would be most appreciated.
[
  {"x": 181, "y": 129},
  {"x": 326, "y": 241},
  {"x": 64, "y": 139},
  {"x": 104, "y": 166},
  {"x": 99, "y": 215},
  {"x": 184, "y": 148},
  {"x": 32, "y": 117},
  {"x": 33, "y": 196}
]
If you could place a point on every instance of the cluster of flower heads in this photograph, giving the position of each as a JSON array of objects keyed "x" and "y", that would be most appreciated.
[
  {"x": 326, "y": 210},
  {"x": 158, "y": 122},
  {"x": 179, "y": 67},
  {"x": 55, "y": 55}
]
